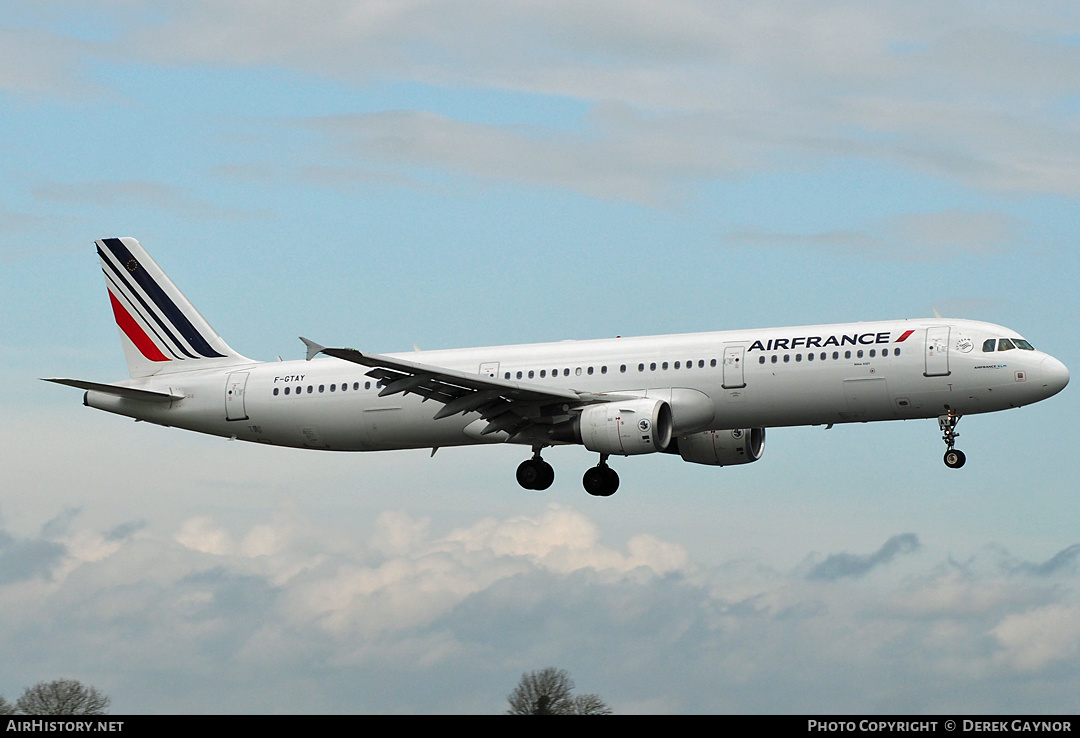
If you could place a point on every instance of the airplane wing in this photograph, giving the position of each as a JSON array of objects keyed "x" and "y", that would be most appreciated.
[{"x": 507, "y": 405}]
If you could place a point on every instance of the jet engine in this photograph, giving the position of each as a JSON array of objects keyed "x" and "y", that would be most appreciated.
[
  {"x": 623, "y": 428},
  {"x": 720, "y": 448}
]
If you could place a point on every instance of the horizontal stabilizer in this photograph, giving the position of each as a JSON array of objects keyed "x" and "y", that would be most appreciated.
[{"x": 129, "y": 393}]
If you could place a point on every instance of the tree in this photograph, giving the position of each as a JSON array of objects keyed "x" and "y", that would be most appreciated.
[
  {"x": 6, "y": 708},
  {"x": 548, "y": 692},
  {"x": 62, "y": 697}
]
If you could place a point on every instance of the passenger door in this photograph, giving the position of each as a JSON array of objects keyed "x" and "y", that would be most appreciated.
[{"x": 937, "y": 351}]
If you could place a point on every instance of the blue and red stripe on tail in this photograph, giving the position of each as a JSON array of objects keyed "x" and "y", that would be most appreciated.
[{"x": 160, "y": 329}]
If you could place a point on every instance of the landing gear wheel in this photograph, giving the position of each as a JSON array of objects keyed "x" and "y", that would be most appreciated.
[
  {"x": 600, "y": 481},
  {"x": 535, "y": 474},
  {"x": 547, "y": 476},
  {"x": 954, "y": 458}
]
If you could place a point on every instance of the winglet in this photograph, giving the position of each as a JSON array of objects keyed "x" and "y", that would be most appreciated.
[{"x": 313, "y": 349}]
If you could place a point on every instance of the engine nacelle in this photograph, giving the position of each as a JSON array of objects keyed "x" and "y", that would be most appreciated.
[
  {"x": 625, "y": 428},
  {"x": 721, "y": 448}
]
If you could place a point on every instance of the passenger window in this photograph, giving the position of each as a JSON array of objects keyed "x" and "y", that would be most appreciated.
[
  {"x": 676, "y": 365},
  {"x": 286, "y": 390},
  {"x": 543, "y": 373},
  {"x": 356, "y": 385},
  {"x": 577, "y": 372},
  {"x": 664, "y": 366},
  {"x": 652, "y": 367},
  {"x": 787, "y": 358},
  {"x": 530, "y": 374},
  {"x": 809, "y": 357},
  {"x": 835, "y": 355},
  {"x": 590, "y": 370},
  {"x": 641, "y": 367},
  {"x": 774, "y": 358},
  {"x": 566, "y": 372},
  {"x": 333, "y": 388},
  {"x": 873, "y": 353},
  {"x": 761, "y": 359},
  {"x": 275, "y": 391},
  {"x": 712, "y": 363},
  {"x": 518, "y": 375}
]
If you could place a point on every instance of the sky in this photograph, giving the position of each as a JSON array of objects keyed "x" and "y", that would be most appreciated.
[{"x": 443, "y": 174}]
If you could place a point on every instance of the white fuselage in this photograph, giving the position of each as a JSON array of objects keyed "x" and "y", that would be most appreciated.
[{"x": 763, "y": 378}]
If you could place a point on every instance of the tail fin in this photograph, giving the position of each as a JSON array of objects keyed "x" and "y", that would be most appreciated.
[{"x": 160, "y": 330}]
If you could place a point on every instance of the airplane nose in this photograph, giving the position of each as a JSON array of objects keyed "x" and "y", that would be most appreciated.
[{"x": 1053, "y": 374}]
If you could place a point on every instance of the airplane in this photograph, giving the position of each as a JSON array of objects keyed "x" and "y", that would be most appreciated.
[{"x": 706, "y": 397}]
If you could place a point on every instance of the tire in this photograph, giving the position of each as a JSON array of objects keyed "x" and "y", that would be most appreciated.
[
  {"x": 600, "y": 481},
  {"x": 530, "y": 474},
  {"x": 547, "y": 476},
  {"x": 954, "y": 458}
]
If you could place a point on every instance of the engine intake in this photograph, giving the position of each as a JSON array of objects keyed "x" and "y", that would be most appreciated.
[
  {"x": 721, "y": 448},
  {"x": 622, "y": 428}
]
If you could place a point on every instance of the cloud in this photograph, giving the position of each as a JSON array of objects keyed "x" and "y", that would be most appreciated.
[
  {"x": 910, "y": 236},
  {"x": 841, "y": 565},
  {"x": 282, "y": 614},
  {"x": 1036, "y": 639},
  {"x": 38, "y": 63},
  {"x": 677, "y": 95},
  {"x": 1064, "y": 562},
  {"x": 21, "y": 560},
  {"x": 140, "y": 194}
]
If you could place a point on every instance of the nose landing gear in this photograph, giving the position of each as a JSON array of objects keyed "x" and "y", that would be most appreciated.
[{"x": 954, "y": 457}]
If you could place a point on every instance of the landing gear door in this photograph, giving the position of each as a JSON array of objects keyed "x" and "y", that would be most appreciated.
[
  {"x": 937, "y": 351},
  {"x": 234, "y": 396},
  {"x": 734, "y": 377}
]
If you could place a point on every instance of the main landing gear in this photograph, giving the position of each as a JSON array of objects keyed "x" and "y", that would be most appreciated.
[
  {"x": 535, "y": 473},
  {"x": 954, "y": 457},
  {"x": 601, "y": 480}
]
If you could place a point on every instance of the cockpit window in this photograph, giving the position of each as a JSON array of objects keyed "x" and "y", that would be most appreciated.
[{"x": 1006, "y": 344}]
